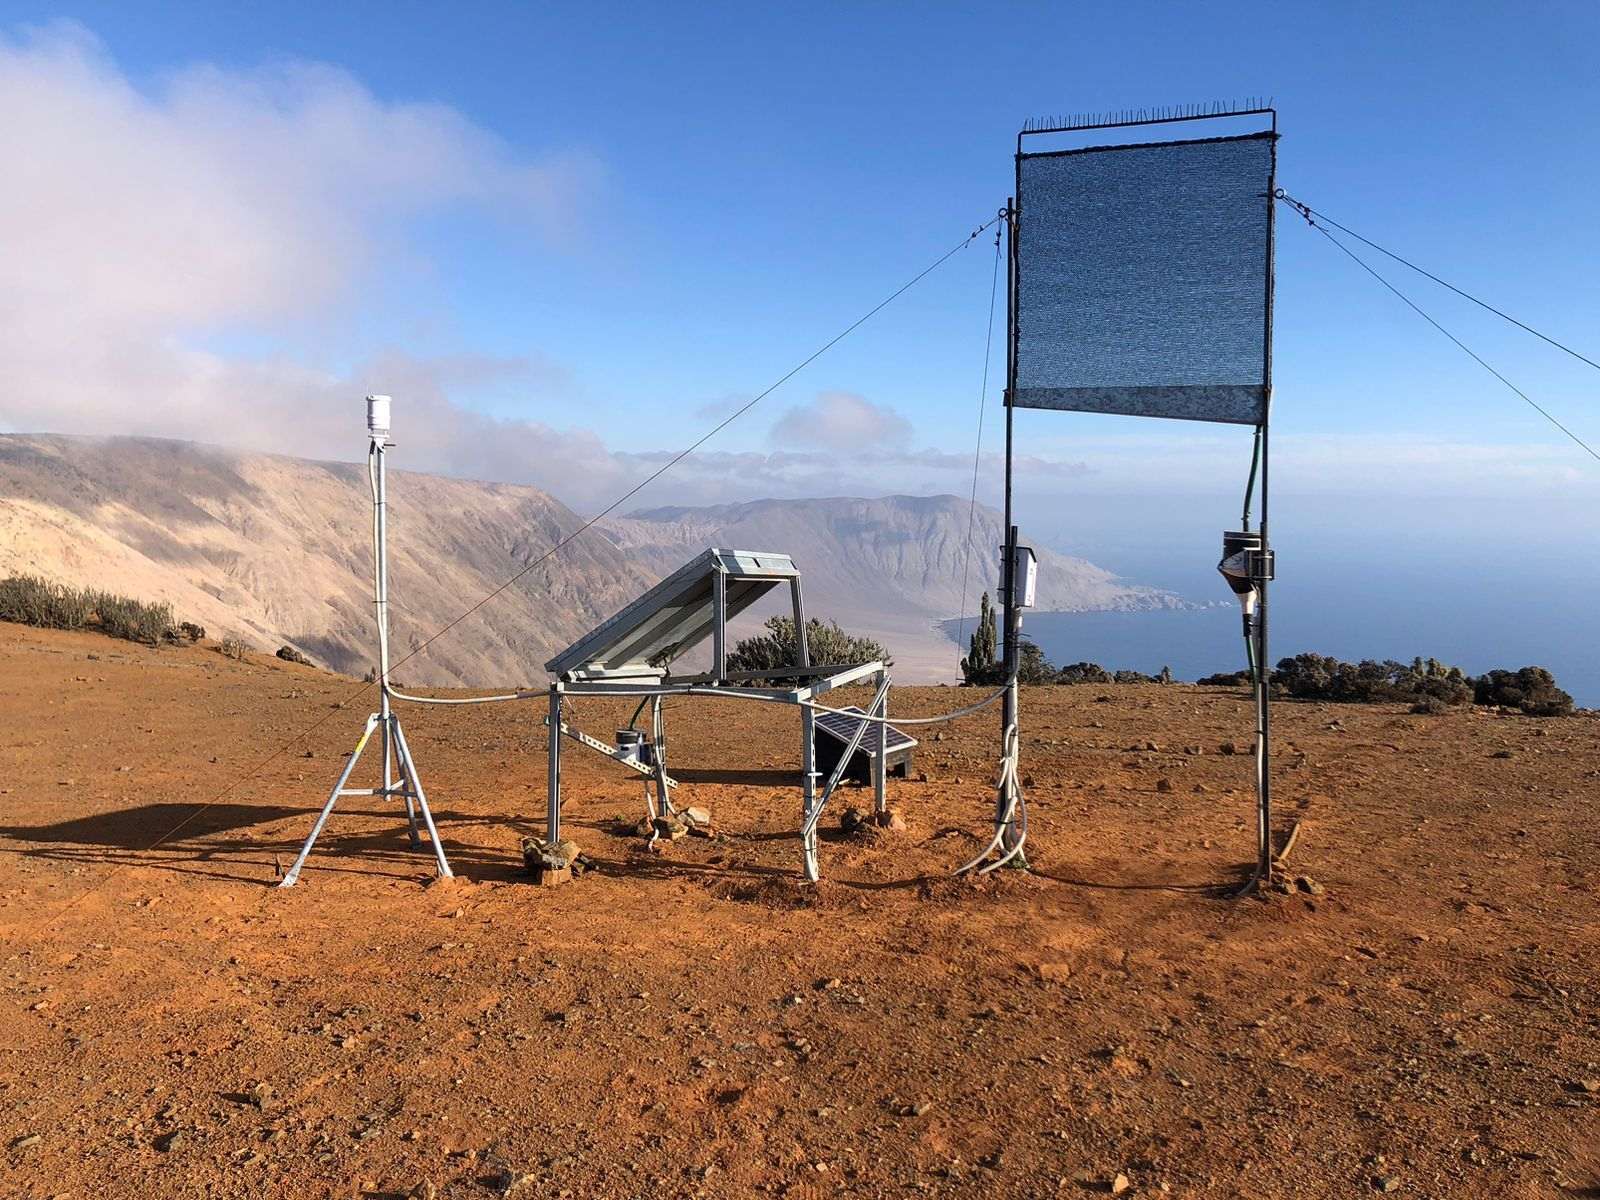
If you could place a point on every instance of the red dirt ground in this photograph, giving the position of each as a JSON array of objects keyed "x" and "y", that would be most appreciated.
[{"x": 700, "y": 1023}]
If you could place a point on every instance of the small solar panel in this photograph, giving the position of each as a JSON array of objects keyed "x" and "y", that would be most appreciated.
[
  {"x": 672, "y": 617},
  {"x": 842, "y": 727}
]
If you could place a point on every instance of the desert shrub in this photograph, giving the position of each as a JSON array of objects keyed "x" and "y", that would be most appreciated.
[
  {"x": 1226, "y": 679},
  {"x": 192, "y": 631},
  {"x": 1084, "y": 672},
  {"x": 29, "y": 600},
  {"x": 1032, "y": 666},
  {"x": 233, "y": 646},
  {"x": 1533, "y": 690},
  {"x": 133, "y": 620},
  {"x": 827, "y": 642},
  {"x": 1322, "y": 677},
  {"x": 1432, "y": 678},
  {"x": 32, "y": 601},
  {"x": 1311, "y": 677},
  {"x": 291, "y": 655},
  {"x": 1430, "y": 706}
]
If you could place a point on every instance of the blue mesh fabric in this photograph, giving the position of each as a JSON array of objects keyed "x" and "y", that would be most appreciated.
[{"x": 1142, "y": 279}]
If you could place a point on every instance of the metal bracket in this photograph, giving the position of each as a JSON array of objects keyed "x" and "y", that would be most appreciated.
[{"x": 611, "y": 752}]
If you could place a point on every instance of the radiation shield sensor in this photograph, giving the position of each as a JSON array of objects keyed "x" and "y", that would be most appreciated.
[
  {"x": 1025, "y": 574},
  {"x": 1245, "y": 566},
  {"x": 378, "y": 418}
]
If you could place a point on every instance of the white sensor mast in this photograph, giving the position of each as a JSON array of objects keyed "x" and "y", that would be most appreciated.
[{"x": 385, "y": 722}]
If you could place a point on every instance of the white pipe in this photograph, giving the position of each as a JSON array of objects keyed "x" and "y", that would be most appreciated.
[{"x": 726, "y": 693}]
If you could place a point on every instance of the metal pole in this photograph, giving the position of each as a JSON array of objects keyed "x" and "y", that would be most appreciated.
[
  {"x": 422, "y": 800},
  {"x": 552, "y": 812},
  {"x": 658, "y": 742},
  {"x": 1005, "y": 818},
  {"x": 719, "y": 623},
  {"x": 1005, "y": 812},
  {"x": 880, "y": 778},
  {"x": 1011, "y": 384},
  {"x": 390, "y": 724},
  {"x": 808, "y": 791},
  {"x": 1264, "y": 670},
  {"x": 802, "y": 643}
]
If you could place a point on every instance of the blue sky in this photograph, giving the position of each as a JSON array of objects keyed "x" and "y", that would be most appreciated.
[{"x": 734, "y": 183}]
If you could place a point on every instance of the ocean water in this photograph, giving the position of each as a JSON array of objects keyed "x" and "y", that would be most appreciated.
[{"x": 1471, "y": 593}]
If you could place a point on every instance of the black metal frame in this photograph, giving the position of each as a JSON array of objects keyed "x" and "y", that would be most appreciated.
[{"x": 1265, "y": 856}]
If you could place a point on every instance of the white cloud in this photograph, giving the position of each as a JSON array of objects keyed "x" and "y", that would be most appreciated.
[
  {"x": 144, "y": 226},
  {"x": 148, "y": 226},
  {"x": 841, "y": 421}
]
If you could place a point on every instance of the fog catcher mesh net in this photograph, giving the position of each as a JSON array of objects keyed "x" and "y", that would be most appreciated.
[{"x": 1142, "y": 279}]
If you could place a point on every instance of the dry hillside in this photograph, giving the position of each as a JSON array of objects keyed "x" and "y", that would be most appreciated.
[
  {"x": 278, "y": 549},
  {"x": 892, "y": 566}
]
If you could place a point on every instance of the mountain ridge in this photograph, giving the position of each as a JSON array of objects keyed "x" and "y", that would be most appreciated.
[{"x": 277, "y": 549}]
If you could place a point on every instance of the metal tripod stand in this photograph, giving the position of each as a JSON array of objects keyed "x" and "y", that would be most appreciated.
[{"x": 385, "y": 722}]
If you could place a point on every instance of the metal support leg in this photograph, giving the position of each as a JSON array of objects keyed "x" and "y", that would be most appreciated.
[
  {"x": 406, "y": 786},
  {"x": 410, "y": 765},
  {"x": 1264, "y": 849},
  {"x": 552, "y": 812},
  {"x": 1006, "y": 810},
  {"x": 808, "y": 784},
  {"x": 880, "y": 776},
  {"x": 658, "y": 743},
  {"x": 293, "y": 876}
]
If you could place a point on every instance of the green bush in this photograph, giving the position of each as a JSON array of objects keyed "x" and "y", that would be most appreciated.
[
  {"x": 826, "y": 641},
  {"x": 1032, "y": 668},
  {"x": 133, "y": 620},
  {"x": 29, "y": 600},
  {"x": 1084, "y": 672},
  {"x": 1533, "y": 690},
  {"x": 1427, "y": 684},
  {"x": 1322, "y": 677}
]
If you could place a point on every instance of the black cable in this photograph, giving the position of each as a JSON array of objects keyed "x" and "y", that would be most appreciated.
[
  {"x": 360, "y": 691},
  {"x": 1305, "y": 210},
  {"x": 1412, "y": 304},
  {"x": 977, "y": 450}
]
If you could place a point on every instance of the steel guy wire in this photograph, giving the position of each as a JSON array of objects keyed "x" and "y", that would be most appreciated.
[
  {"x": 1306, "y": 211},
  {"x": 977, "y": 449},
  {"x": 1416, "y": 308}
]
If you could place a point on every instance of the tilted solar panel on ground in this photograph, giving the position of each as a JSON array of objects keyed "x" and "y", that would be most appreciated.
[{"x": 842, "y": 727}]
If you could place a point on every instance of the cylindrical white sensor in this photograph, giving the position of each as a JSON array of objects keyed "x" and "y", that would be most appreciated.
[{"x": 378, "y": 416}]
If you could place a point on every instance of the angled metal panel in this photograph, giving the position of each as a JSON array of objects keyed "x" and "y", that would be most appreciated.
[
  {"x": 675, "y": 615},
  {"x": 842, "y": 729}
]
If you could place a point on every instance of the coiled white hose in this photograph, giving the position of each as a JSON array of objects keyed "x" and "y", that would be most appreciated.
[{"x": 1016, "y": 808}]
